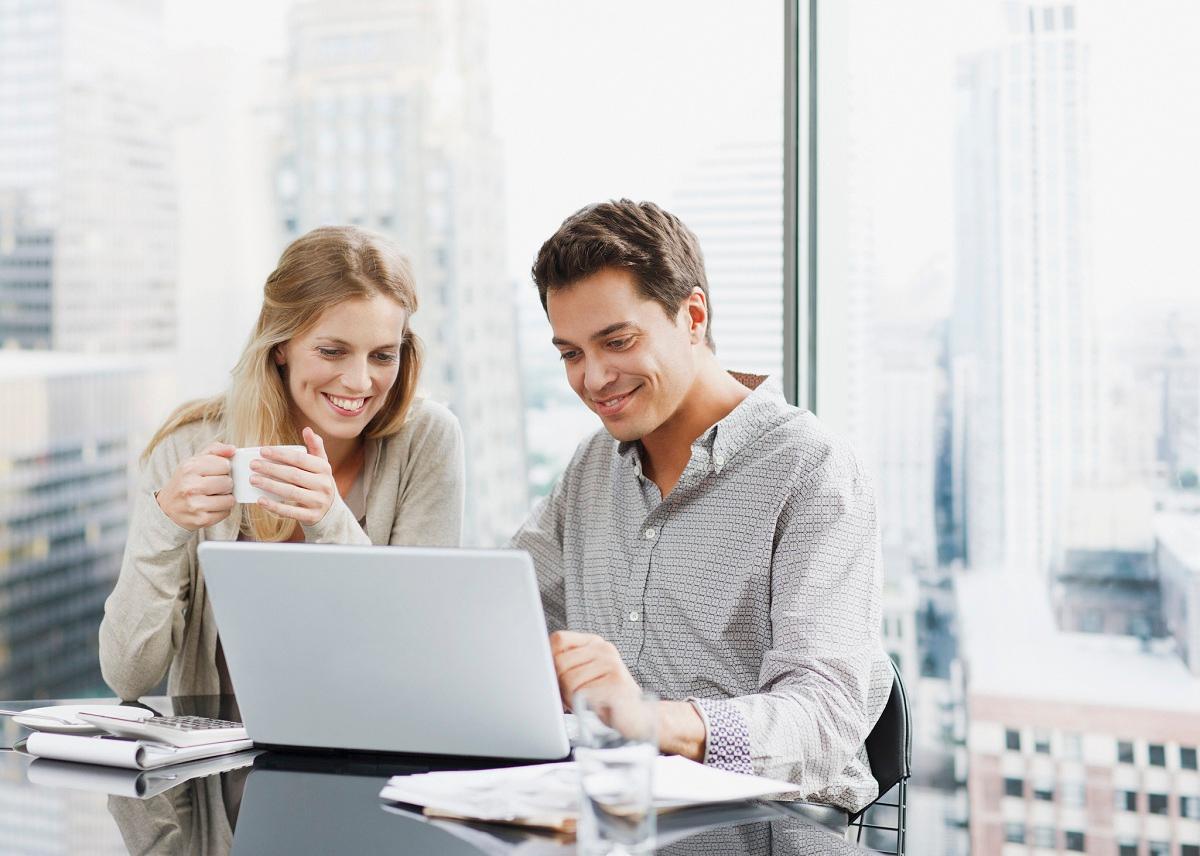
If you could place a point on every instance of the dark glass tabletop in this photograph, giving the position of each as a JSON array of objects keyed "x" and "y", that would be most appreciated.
[{"x": 274, "y": 802}]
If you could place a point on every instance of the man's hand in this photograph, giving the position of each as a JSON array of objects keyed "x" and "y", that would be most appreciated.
[{"x": 586, "y": 660}]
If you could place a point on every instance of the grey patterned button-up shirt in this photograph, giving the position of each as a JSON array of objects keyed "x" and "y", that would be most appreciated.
[{"x": 753, "y": 589}]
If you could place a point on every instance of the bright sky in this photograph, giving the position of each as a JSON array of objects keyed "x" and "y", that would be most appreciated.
[{"x": 600, "y": 99}]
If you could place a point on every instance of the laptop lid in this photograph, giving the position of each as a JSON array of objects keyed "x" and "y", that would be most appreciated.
[{"x": 387, "y": 649}]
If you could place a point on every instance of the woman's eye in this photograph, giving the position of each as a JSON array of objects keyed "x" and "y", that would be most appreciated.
[
  {"x": 387, "y": 357},
  {"x": 329, "y": 352}
]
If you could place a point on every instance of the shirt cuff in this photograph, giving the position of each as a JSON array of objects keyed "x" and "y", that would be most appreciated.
[{"x": 727, "y": 746}]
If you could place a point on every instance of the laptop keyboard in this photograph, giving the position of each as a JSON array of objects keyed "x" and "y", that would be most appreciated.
[{"x": 191, "y": 723}]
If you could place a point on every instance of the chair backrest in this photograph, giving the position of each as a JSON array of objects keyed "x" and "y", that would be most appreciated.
[{"x": 889, "y": 745}]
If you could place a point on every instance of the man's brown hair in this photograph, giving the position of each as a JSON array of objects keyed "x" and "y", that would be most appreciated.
[{"x": 652, "y": 244}]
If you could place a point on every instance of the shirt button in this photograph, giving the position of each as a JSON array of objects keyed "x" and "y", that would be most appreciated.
[
  {"x": 719, "y": 460},
  {"x": 650, "y": 533},
  {"x": 634, "y": 616}
]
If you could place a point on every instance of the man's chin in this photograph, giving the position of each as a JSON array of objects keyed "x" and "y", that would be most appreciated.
[{"x": 623, "y": 432}]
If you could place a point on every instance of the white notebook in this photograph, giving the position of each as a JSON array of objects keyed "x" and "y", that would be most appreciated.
[{"x": 119, "y": 752}]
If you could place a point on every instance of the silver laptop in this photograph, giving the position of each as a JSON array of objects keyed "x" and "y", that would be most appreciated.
[{"x": 387, "y": 649}]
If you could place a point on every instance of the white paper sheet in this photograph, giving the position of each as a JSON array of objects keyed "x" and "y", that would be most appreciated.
[{"x": 552, "y": 790}]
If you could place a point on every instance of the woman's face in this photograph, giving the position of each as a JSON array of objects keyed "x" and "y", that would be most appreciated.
[{"x": 340, "y": 370}]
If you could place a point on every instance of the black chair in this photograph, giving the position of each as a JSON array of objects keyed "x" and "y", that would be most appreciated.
[{"x": 889, "y": 750}]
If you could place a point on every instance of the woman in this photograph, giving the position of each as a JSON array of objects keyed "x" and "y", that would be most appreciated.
[{"x": 332, "y": 365}]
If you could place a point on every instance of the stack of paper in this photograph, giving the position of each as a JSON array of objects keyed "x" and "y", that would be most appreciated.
[{"x": 547, "y": 795}]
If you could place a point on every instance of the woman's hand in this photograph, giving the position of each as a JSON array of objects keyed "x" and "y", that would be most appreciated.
[
  {"x": 304, "y": 481},
  {"x": 200, "y": 491}
]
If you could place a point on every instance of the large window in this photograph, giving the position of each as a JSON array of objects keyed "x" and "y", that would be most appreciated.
[
  {"x": 1011, "y": 326},
  {"x": 156, "y": 158}
]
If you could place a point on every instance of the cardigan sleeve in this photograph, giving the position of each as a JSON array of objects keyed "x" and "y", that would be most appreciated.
[{"x": 144, "y": 616}]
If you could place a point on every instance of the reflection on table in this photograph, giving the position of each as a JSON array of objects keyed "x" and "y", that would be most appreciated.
[{"x": 307, "y": 803}]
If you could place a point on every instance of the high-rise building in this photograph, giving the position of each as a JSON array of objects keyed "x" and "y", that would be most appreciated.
[
  {"x": 734, "y": 203},
  {"x": 87, "y": 265},
  {"x": 388, "y": 125},
  {"x": 71, "y": 433},
  {"x": 1024, "y": 353},
  {"x": 87, "y": 204}
]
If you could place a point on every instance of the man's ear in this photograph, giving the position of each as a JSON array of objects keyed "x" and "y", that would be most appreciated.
[{"x": 697, "y": 309}]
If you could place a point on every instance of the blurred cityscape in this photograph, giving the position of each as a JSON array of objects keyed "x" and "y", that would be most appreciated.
[{"x": 1038, "y": 473}]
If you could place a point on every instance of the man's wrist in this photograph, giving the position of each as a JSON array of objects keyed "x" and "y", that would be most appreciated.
[{"x": 681, "y": 730}]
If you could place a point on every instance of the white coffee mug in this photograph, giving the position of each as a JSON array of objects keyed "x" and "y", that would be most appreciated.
[{"x": 243, "y": 491}]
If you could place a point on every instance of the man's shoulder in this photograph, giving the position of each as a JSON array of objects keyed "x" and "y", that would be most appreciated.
[{"x": 797, "y": 440}]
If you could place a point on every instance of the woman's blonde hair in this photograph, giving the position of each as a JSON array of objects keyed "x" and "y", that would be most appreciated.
[{"x": 318, "y": 270}]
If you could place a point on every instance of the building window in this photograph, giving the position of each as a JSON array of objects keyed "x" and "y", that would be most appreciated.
[
  {"x": 1127, "y": 848},
  {"x": 1157, "y": 803},
  {"x": 1012, "y": 739},
  {"x": 1187, "y": 757},
  {"x": 1159, "y": 848},
  {"x": 1043, "y": 791},
  {"x": 1014, "y": 787},
  {"x": 1072, "y": 747},
  {"x": 1158, "y": 755},
  {"x": 1125, "y": 800},
  {"x": 1189, "y": 850},
  {"x": 1124, "y": 752},
  {"x": 1043, "y": 836},
  {"x": 1014, "y": 833},
  {"x": 1074, "y": 794},
  {"x": 1041, "y": 742},
  {"x": 1074, "y": 841},
  {"x": 1189, "y": 807}
]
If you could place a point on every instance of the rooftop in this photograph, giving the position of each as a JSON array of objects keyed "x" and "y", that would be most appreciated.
[
  {"x": 1013, "y": 649},
  {"x": 23, "y": 365}
]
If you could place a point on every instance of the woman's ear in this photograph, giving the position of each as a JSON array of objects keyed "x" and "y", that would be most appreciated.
[{"x": 279, "y": 355}]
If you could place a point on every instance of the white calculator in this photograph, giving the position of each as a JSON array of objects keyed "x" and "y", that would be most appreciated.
[{"x": 181, "y": 731}]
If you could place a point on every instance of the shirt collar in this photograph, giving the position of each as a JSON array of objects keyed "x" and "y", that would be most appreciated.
[{"x": 730, "y": 435}]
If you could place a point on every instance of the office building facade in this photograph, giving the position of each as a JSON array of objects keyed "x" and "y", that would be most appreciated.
[
  {"x": 387, "y": 125},
  {"x": 733, "y": 201},
  {"x": 68, "y": 447},
  {"x": 87, "y": 205},
  {"x": 1024, "y": 352}
]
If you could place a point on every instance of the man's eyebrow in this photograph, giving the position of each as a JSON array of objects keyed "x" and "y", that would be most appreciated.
[{"x": 600, "y": 334}]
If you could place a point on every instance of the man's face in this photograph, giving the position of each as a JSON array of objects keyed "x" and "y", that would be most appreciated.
[{"x": 625, "y": 358}]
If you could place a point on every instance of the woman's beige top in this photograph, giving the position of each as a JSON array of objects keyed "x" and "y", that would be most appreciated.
[{"x": 159, "y": 615}]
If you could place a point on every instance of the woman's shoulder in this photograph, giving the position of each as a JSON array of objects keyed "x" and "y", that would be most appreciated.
[
  {"x": 427, "y": 417},
  {"x": 429, "y": 427}
]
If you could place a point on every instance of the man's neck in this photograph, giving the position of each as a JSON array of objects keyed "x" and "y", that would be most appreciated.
[{"x": 666, "y": 450}]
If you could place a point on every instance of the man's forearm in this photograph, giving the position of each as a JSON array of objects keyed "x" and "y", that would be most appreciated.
[{"x": 681, "y": 730}]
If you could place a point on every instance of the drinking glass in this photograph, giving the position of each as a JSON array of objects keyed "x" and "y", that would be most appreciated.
[{"x": 617, "y": 745}]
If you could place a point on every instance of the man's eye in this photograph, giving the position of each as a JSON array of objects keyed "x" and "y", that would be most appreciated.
[
  {"x": 567, "y": 356},
  {"x": 620, "y": 344}
]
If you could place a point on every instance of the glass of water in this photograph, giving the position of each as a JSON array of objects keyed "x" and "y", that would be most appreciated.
[{"x": 618, "y": 741}]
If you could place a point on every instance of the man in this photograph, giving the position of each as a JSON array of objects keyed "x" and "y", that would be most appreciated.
[{"x": 713, "y": 544}]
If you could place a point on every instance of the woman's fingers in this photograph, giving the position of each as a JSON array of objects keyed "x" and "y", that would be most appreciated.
[
  {"x": 294, "y": 458},
  {"x": 283, "y": 490},
  {"x": 287, "y": 474},
  {"x": 293, "y": 512}
]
